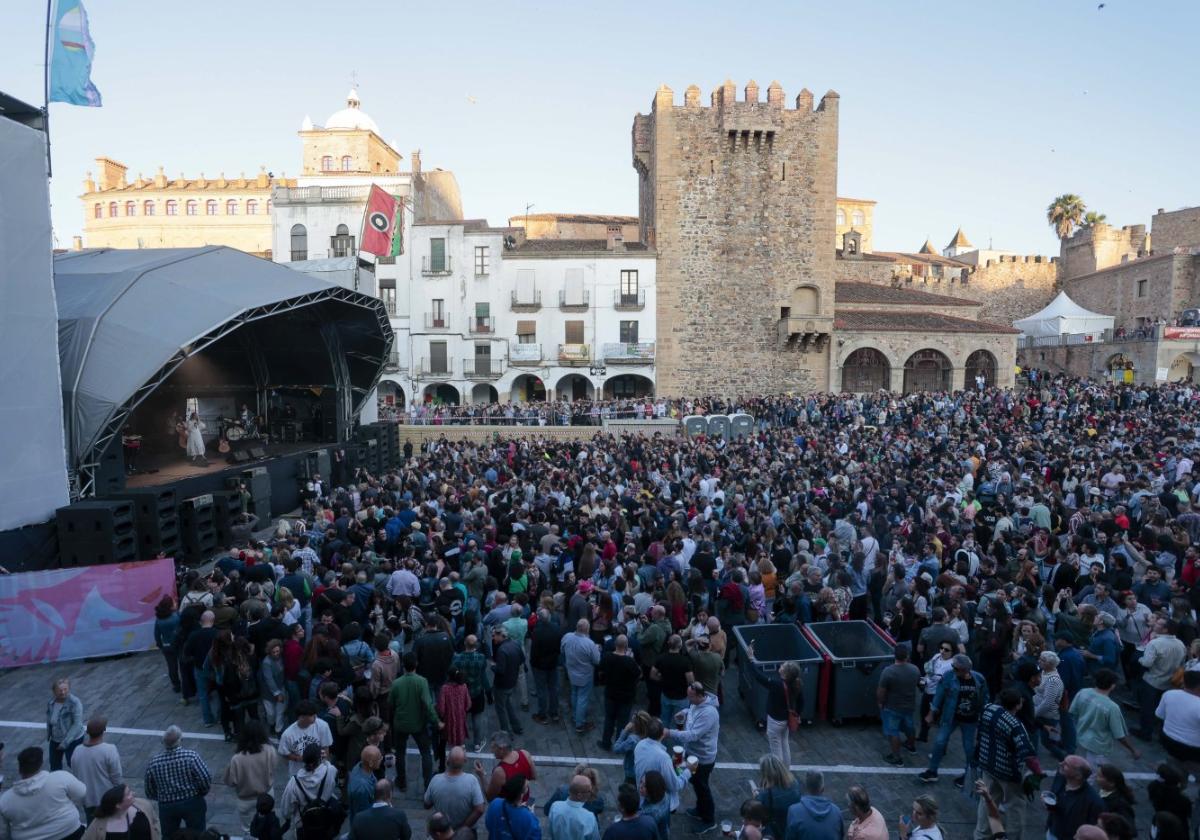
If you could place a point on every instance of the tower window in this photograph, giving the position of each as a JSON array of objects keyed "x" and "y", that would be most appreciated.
[
  {"x": 327, "y": 163},
  {"x": 210, "y": 207},
  {"x": 98, "y": 211},
  {"x": 342, "y": 243},
  {"x": 190, "y": 208},
  {"x": 231, "y": 207},
  {"x": 148, "y": 208},
  {"x": 252, "y": 207},
  {"x": 172, "y": 208},
  {"x": 299, "y": 243},
  {"x": 130, "y": 208},
  {"x": 345, "y": 163},
  {"x": 112, "y": 209}
]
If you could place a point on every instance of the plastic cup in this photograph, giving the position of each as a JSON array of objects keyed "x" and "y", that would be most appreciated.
[
  {"x": 677, "y": 755},
  {"x": 1049, "y": 799},
  {"x": 726, "y": 828}
]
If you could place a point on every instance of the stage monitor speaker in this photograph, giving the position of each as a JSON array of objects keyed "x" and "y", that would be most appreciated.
[
  {"x": 198, "y": 530},
  {"x": 258, "y": 482},
  {"x": 97, "y": 532},
  {"x": 239, "y": 456},
  {"x": 257, "y": 452},
  {"x": 157, "y": 520}
]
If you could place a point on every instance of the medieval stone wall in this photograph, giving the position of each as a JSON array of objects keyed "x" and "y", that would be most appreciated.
[
  {"x": 739, "y": 199},
  {"x": 1140, "y": 290},
  {"x": 1176, "y": 229}
]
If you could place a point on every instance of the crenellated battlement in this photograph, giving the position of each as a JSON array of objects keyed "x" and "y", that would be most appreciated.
[
  {"x": 1018, "y": 258},
  {"x": 725, "y": 98}
]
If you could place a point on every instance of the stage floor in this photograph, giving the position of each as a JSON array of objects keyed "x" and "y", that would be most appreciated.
[{"x": 154, "y": 471}]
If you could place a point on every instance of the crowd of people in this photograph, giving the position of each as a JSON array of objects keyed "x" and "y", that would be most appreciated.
[{"x": 1033, "y": 554}]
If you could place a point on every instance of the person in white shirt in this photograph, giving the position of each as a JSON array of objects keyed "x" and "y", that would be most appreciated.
[
  {"x": 1179, "y": 710},
  {"x": 96, "y": 764},
  {"x": 308, "y": 729}
]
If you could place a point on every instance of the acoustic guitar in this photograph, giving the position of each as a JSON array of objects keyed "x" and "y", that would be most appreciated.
[
  {"x": 223, "y": 446},
  {"x": 181, "y": 428}
]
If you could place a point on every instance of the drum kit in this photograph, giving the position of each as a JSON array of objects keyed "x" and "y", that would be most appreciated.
[{"x": 234, "y": 430}]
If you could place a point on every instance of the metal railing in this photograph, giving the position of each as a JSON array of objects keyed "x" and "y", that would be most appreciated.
[
  {"x": 435, "y": 368},
  {"x": 431, "y": 266},
  {"x": 481, "y": 325},
  {"x": 629, "y": 300},
  {"x": 483, "y": 367},
  {"x": 393, "y": 362},
  {"x": 390, "y": 306},
  {"x": 629, "y": 352},
  {"x": 309, "y": 194},
  {"x": 528, "y": 300},
  {"x": 1120, "y": 335},
  {"x": 584, "y": 301},
  {"x": 436, "y": 321}
]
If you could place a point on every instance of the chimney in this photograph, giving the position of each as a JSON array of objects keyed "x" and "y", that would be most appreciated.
[
  {"x": 415, "y": 160},
  {"x": 76, "y": 243},
  {"x": 616, "y": 238}
]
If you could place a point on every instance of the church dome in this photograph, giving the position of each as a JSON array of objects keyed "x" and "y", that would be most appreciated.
[{"x": 351, "y": 117}]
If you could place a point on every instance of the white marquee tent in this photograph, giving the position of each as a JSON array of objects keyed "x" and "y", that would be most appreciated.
[{"x": 1063, "y": 316}]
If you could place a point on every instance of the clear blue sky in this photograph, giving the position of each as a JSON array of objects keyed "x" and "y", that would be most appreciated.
[{"x": 952, "y": 113}]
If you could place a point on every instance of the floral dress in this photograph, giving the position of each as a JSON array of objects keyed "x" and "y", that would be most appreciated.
[{"x": 453, "y": 704}]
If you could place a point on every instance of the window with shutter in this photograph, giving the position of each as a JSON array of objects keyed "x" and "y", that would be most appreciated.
[
  {"x": 574, "y": 332},
  {"x": 526, "y": 332},
  {"x": 437, "y": 254},
  {"x": 574, "y": 287}
]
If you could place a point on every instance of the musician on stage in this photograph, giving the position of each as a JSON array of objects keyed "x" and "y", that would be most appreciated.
[{"x": 195, "y": 440}]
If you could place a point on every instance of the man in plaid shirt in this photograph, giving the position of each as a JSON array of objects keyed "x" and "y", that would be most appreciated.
[
  {"x": 178, "y": 779},
  {"x": 1005, "y": 755}
]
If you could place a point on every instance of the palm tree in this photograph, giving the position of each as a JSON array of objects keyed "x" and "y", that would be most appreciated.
[
  {"x": 1093, "y": 218},
  {"x": 1065, "y": 213}
]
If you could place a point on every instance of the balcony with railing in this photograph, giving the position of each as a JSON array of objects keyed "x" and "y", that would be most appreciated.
[
  {"x": 436, "y": 321},
  {"x": 524, "y": 354},
  {"x": 629, "y": 353},
  {"x": 481, "y": 325},
  {"x": 392, "y": 363},
  {"x": 574, "y": 354},
  {"x": 629, "y": 301},
  {"x": 435, "y": 368},
  {"x": 434, "y": 268},
  {"x": 316, "y": 195},
  {"x": 527, "y": 301},
  {"x": 578, "y": 301},
  {"x": 483, "y": 367},
  {"x": 390, "y": 306}
]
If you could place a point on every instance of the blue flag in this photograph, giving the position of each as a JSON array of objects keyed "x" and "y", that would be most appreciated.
[{"x": 71, "y": 58}]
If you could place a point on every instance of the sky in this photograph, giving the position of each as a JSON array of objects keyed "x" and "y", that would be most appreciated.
[{"x": 952, "y": 113}]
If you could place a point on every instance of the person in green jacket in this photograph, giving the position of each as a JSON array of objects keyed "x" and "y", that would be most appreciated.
[{"x": 413, "y": 713}]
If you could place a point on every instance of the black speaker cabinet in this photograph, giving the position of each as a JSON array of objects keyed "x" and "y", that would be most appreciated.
[
  {"x": 156, "y": 518},
  {"x": 96, "y": 532}
]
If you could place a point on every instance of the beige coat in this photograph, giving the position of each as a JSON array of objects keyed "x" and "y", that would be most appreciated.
[{"x": 96, "y": 830}]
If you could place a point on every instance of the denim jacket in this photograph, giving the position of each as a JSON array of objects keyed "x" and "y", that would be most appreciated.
[
  {"x": 945, "y": 699},
  {"x": 70, "y": 719}
]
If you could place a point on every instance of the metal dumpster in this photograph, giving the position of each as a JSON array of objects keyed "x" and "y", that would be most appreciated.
[
  {"x": 857, "y": 652},
  {"x": 773, "y": 645}
]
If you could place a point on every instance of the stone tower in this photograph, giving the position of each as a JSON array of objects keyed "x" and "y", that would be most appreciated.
[{"x": 739, "y": 201}]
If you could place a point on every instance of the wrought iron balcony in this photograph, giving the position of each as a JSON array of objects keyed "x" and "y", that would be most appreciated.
[
  {"x": 432, "y": 267},
  {"x": 436, "y": 321},
  {"x": 435, "y": 368},
  {"x": 483, "y": 367},
  {"x": 629, "y": 301},
  {"x": 583, "y": 301},
  {"x": 524, "y": 354},
  {"x": 529, "y": 301},
  {"x": 393, "y": 362},
  {"x": 481, "y": 325}
]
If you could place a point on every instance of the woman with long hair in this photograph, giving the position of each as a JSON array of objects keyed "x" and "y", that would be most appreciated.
[
  {"x": 1115, "y": 791},
  {"x": 676, "y": 606},
  {"x": 122, "y": 816},
  {"x": 602, "y": 616},
  {"x": 785, "y": 694},
  {"x": 251, "y": 770},
  {"x": 779, "y": 790},
  {"x": 634, "y": 731}
]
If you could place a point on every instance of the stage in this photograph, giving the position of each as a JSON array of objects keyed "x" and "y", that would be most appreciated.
[{"x": 157, "y": 469}]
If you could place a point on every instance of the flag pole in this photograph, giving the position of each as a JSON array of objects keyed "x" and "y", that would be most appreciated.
[{"x": 46, "y": 86}]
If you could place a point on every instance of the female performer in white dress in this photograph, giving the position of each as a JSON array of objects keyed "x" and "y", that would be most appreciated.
[{"x": 195, "y": 440}]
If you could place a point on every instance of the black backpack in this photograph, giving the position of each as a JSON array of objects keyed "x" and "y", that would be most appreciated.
[{"x": 320, "y": 818}]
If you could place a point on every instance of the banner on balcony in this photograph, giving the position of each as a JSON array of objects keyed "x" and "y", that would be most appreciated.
[
  {"x": 63, "y": 614},
  {"x": 524, "y": 352},
  {"x": 1189, "y": 333}
]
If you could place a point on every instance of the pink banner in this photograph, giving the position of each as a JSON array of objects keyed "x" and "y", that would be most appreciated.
[
  {"x": 63, "y": 614},
  {"x": 1181, "y": 332}
]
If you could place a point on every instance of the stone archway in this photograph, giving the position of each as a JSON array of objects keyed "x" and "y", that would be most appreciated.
[
  {"x": 927, "y": 370},
  {"x": 391, "y": 395},
  {"x": 574, "y": 386},
  {"x": 442, "y": 393},
  {"x": 1185, "y": 368},
  {"x": 866, "y": 369},
  {"x": 527, "y": 388},
  {"x": 980, "y": 363},
  {"x": 628, "y": 386},
  {"x": 484, "y": 394}
]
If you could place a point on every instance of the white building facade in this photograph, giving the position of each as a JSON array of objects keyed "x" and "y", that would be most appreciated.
[{"x": 492, "y": 317}]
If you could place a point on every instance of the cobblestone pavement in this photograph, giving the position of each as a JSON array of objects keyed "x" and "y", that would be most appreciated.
[{"x": 134, "y": 694}]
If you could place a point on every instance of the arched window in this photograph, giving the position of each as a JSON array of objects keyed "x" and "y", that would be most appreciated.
[
  {"x": 327, "y": 163},
  {"x": 98, "y": 210},
  {"x": 299, "y": 243},
  {"x": 268, "y": 207},
  {"x": 841, "y": 216},
  {"x": 172, "y": 208},
  {"x": 130, "y": 208},
  {"x": 345, "y": 163},
  {"x": 112, "y": 209},
  {"x": 210, "y": 207},
  {"x": 342, "y": 243},
  {"x": 147, "y": 208},
  {"x": 191, "y": 207},
  {"x": 231, "y": 207},
  {"x": 857, "y": 218},
  {"x": 251, "y": 207}
]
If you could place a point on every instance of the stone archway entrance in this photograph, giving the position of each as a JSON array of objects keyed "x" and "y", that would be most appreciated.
[
  {"x": 927, "y": 370},
  {"x": 1185, "y": 368},
  {"x": 628, "y": 386},
  {"x": 1121, "y": 369},
  {"x": 981, "y": 363},
  {"x": 441, "y": 394},
  {"x": 866, "y": 369}
]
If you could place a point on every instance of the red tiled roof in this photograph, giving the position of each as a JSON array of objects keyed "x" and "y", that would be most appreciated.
[
  {"x": 852, "y": 292},
  {"x": 920, "y": 322}
]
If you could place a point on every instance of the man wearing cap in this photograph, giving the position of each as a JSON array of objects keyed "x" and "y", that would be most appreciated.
[{"x": 958, "y": 702}]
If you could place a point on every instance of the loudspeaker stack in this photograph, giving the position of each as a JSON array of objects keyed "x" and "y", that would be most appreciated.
[
  {"x": 198, "y": 527},
  {"x": 157, "y": 520},
  {"x": 227, "y": 504},
  {"x": 97, "y": 532},
  {"x": 258, "y": 482}
]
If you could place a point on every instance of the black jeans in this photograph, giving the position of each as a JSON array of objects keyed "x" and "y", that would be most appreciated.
[
  {"x": 60, "y": 751},
  {"x": 705, "y": 805},
  {"x": 424, "y": 747},
  {"x": 172, "y": 660},
  {"x": 616, "y": 715}
]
